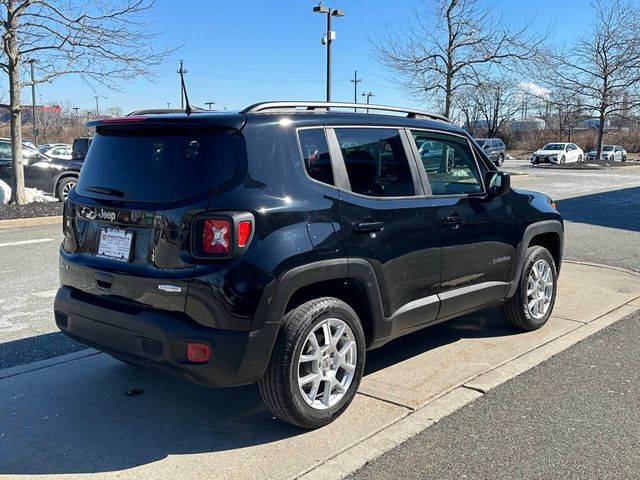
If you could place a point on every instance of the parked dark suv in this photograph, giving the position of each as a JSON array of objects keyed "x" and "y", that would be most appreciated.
[
  {"x": 494, "y": 148},
  {"x": 280, "y": 243},
  {"x": 80, "y": 148},
  {"x": 51, "y": 175}
]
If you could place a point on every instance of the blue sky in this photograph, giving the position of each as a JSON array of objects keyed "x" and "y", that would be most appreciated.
[{"x": 238, "y": 53}]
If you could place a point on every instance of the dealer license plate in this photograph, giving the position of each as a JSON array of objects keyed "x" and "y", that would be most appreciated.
[{"x": 115, "y": 244}]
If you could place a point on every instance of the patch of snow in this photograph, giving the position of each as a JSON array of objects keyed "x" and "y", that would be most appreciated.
[
  {"x": 34, "y": 195},
  {"x": 5, "y": 193}
]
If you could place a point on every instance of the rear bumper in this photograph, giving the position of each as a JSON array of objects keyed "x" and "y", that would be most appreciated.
[{"x": 158, "y": 339}]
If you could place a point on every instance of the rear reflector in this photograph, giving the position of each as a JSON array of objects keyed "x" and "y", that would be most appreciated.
[
  {"x": 198, "y": 352},
  {"x": 216, "y": 237},
  {"x": 244, "y": 232}
]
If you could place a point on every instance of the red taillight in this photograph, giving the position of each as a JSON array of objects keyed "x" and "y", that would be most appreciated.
[
  {"x": 244, "y": 232},
  {"x": 216, "y": 236},
  {"x": 198, "y": 352}
]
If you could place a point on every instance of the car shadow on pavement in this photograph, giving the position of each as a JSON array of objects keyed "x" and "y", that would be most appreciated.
[
  {"x": 615, "y": 209},
  {"x": 100, "y": 415},
  {"x": 486, "y": 323},
  {"x": 35, "y": 348}
]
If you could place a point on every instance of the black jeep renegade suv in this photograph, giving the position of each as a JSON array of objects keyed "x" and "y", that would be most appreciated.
[{"x": 278, "y": 244}]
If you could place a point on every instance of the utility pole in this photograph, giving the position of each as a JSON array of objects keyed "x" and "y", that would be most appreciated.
[
  {"x": 368, "y": 95},
  {"x": 97, "y": 108},
  {"x": 75, "y": 109},
  {"x": 355, "y": 80},
  {"x": 209, "y": 104},
  {"x": 181, "y": 72},
  {"x": 168, "y": 105},
  {"x": 328, "y": 38},
  {"x": 33, "y": 102}
]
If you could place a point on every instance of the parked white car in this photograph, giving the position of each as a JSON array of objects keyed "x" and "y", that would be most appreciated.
[
  {"x": 60, "y": 151},
  {"x": 557, "y": 153},
  {"x": 610, "y": 153}
]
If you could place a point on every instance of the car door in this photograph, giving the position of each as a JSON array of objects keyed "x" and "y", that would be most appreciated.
[
  {"x": 477, "y": 232},
  {"x": 388, "y": 222},
  {"x": 617, "y": 154},
  {"x": 489, "y": 149},
  {"x": 39, "y": 170},
  {"x": 6, "y": 165}
]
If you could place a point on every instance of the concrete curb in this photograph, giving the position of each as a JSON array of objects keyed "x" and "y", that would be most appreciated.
[
  {"x": 31, "y": 222},
  {"x": 606, "y": 267},
  {"x": 415, "y": 422}
]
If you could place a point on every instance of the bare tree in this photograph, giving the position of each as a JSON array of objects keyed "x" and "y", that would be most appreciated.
[
  {"x": 49, "y": 122},
  {"x": 451, "y": 45},
  {"x": 602, "y": 69},
  {"x": 103, "y": 41},
  {"x": 489, "y": 105}
]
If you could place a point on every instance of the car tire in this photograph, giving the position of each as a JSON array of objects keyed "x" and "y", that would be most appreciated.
[
  {"x": 562, "y": 159},
  {"x": 332, "y": 371},
  {"x": 579, "y": 158},
  {"x": 64, "y": 186},
  {"x": 624, "y": 158},
  {"x": 500, "y": 160},
  {"x": 536, "y": 288}
]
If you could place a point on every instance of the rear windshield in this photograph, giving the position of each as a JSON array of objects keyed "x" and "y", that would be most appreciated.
[{"x": 156, "y": 164}]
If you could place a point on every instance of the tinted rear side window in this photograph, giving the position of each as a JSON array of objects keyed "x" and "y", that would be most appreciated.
[
  {"x": 376, "y": 162},
  {"x": 315, "y": 153},
  {"x": 157, "y": 164}
]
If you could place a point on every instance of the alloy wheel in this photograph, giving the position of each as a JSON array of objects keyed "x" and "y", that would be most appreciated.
[
  {"x": 327, "y": 363},
  {"x": 66, "y": 188},
  {"x": 539, "y": 289}
]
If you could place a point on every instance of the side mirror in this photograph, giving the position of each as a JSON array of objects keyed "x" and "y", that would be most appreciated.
[{"x": 498, "y": 183}]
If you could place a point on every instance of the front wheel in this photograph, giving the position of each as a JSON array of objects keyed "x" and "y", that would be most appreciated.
[
  {"x": 500, "y": 160},
  {"x": 316, "y": 365},
  {"x": 579, "y": 158},
  {"x": 532, "y": 304},
  {"x": 562, "y": 159}
]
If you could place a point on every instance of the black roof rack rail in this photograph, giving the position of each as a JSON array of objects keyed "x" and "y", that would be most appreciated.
[
  {"x": 154, "y": 111},
  {"x": 285, "y": 106}
]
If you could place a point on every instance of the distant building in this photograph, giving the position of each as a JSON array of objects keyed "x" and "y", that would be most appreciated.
[
  {"x": 527, "y": 124},
  {"x": 27, "y": 115},
  {"x": 593, "y": 122}
]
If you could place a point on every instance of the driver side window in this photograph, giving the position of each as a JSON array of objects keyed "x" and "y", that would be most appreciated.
[{"x": 449, "y": 164}]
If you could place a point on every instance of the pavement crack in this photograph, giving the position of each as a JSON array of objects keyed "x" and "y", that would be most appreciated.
[
  {"x": 475, "y": 389},
  {"x": 397, "y": 404}
]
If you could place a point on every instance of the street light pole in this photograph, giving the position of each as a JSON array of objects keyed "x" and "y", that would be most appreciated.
[
  {"x": 328, "y": 38},
  {"x": 355, "y": 80},
  {"x": 209, "y": 104},
  {"x": 33, "y": 102},
  {"x": 368, "y": 95},
  {"x": 75, "y": 109}
]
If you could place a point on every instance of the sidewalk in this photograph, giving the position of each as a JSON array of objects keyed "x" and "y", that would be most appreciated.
[{"x": 93, "y": 414}]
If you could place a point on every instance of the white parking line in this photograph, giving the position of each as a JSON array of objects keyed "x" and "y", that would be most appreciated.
[{"x": 26, "y": 242}]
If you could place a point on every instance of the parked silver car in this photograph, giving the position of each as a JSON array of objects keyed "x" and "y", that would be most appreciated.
[{"x": 611, "y": 153}]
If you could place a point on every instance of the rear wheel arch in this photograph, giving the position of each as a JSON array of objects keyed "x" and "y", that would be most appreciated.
[
  {"x": 351, "y": 280},
  {"x": 349, "y": 290},
  {"x": 63, "y": 176}
]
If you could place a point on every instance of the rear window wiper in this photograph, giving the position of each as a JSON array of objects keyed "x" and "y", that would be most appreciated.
[{"x": 105, "y": 191}]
